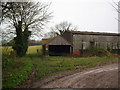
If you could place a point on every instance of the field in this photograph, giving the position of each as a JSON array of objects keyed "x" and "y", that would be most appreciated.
[
  {"x": 17, "y": 70},
  {"x": 31, "y": 49}
]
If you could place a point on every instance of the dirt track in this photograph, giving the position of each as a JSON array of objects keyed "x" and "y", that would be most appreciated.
[{"x": 100, "y": 77}]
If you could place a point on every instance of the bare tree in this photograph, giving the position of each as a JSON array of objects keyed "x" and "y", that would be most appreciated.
[
  {"x": 62, "y": 27},
  {"x": 50, "y": 34},
  {"x": 27, "y": 18},
  {"x": 116, "y": 6}
]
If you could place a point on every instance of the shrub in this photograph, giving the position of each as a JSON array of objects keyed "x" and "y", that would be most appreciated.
[
  {"x": 7, "y": 61},
  {"x": 16, "y": 77},
  {"x": 102, "y": 52},
  {"x": 95, "y": 52}
]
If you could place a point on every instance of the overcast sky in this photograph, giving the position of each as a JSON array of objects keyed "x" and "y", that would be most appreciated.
[{"x": 88, "y": 15}]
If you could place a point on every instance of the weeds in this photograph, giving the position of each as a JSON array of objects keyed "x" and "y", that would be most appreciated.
[
  {"x": 12, "y": 79},
  {"x": 17, "y": 70},
  {"x": 52, "y": 65}
]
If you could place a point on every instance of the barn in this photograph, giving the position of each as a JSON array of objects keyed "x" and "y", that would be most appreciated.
[
  {"x": 57, "y": 46},
  {"x": 72, "y": 42}
]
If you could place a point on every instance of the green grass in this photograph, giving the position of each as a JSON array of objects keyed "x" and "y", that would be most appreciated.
[
  {"x": 49, "y": 65},
  {"x": 17, "y": 70},
  {"x": 33, "y": 49},
  {"x": 6, "y": 49},
  {"x": 16, "y": 73}
]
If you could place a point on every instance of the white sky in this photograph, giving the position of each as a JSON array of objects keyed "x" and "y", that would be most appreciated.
[{"x": 88, "y": 15}]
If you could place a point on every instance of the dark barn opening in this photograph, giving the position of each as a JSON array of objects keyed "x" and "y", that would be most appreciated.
[{"x": 59, "y": 50}]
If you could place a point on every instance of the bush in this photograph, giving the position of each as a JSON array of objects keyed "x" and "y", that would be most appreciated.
[
  {"x": 102, "y": 52},
  {"x": 16, "y": 77},
  {"x": 116, "y": 51},
  {"x": 7, "y": 61},
  {"x": 95, "y": 52}
]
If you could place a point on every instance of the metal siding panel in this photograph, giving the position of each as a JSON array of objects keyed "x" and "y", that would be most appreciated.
[{"x": 100, "y": 40}]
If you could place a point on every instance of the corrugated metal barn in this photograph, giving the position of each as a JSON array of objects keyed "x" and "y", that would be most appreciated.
[{"x": 71, "y": 42}]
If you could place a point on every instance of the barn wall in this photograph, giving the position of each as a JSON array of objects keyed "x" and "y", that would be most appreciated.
[
  {"x": 68, "y": 36},
  {"x": 100, "y": 41}
]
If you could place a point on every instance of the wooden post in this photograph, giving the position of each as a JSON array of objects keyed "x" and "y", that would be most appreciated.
[
  {"x": 71, "y": 50},
  {"x": 44, "y": 49}
]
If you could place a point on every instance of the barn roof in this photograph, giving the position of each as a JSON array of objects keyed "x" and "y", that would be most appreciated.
[
  {"x": 46, "y": 40},
  {"x": 94, "y": 33},
  {"x": 50, "y": 40},
  {"x": 59, "y": 40}
]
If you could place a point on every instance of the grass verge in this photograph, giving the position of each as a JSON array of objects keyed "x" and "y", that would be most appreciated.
[
  {"x": 16, "y": 74},
  {"x": 50, "y": 65}
]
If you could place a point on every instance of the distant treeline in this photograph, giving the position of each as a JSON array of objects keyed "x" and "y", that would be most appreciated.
[
  {"x": 31, "y": 43},
  {"x": 34, "y": 42}
]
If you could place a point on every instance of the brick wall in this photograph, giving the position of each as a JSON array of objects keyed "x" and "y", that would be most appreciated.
[{"x": 76, "y": 52}]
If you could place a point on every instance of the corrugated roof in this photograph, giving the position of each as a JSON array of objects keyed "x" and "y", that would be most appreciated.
[
  {"x": 94, "y": 33},
  {"x": 59, "y": 41},
  {"x": 48, "y": 40}
]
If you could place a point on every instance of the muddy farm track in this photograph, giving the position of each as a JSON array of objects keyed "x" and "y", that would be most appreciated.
[{"x": 99, "y": 77}]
